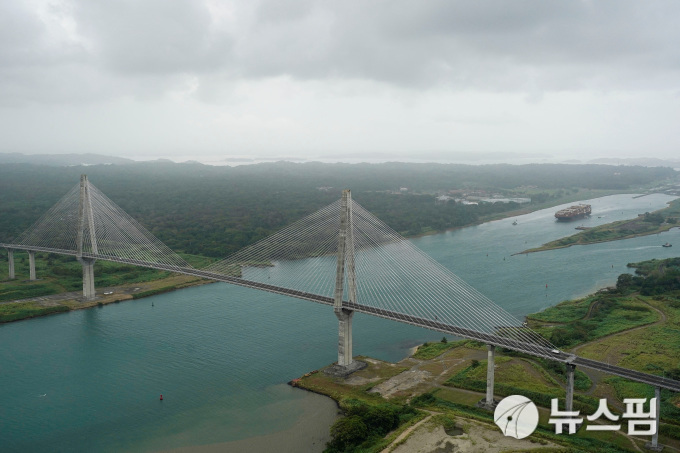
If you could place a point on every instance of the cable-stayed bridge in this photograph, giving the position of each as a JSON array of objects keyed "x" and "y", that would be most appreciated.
[{"x": 341, "y": 255}]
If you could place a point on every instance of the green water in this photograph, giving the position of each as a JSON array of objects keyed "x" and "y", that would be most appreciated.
[{"x": 90, "y": 380}]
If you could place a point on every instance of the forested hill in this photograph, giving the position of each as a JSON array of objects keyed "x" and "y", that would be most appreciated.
[{"x": 214, "y": 211}]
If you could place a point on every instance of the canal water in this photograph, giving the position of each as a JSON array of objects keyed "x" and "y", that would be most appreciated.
[{"x": 90, "y": 380}]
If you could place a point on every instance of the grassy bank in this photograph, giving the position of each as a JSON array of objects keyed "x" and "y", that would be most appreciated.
[
  {"x": 371, "y": 422},
  {"x": 41, "y": 306},
  {"x": 60, "y": 282},
  {"x": 24, "y": 310},
  {"x": 645, "y": 224}
]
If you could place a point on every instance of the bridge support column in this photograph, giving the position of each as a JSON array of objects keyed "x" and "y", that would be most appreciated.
[
  {"x": 344, "y": 337},
  {"x": 490, "y": 370},
  {"x": 654, "y": 444},
  {"x": 31, "y": 265},
  {"x": 569, "y": 401},
  {"x": 88, "y": 278},
  {"x": 10, "y": 259}
]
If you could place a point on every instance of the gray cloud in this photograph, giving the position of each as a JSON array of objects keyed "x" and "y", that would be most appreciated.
[
  {"x": 26, "y": 42},
  {"x": 153, "y": 36},
  {"x": 493, "y": 45},
  {"x": 324, "y": 75}
]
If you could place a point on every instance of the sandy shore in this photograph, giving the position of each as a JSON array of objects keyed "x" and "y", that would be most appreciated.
[{"x": 309, "y": 433}]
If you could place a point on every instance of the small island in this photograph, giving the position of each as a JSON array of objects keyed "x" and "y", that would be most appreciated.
[{"x": 645, "y": 224}]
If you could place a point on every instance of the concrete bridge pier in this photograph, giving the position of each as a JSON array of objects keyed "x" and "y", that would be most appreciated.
[
  {"x": 569, "y": 401},
  {"x": 344, "y": 337},
  {"x": 31, "y": 265},
  {"x": 10, "y": 259},
  {"x": 489, "y": 402},
  {"x": 88, "y": 278}
]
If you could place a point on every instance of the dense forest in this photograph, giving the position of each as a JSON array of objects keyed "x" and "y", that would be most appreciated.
[
  {"x": 214, "y": 211},
  {"x": 652, "y": 277}
]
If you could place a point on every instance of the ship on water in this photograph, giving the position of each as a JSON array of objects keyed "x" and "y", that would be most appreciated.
[{"x": 573, "y": 212}]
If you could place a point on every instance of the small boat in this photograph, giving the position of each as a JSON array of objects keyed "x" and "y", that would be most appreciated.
[
  {"x": 515, "y": 222},
  {"x": 667, "y": 244}
]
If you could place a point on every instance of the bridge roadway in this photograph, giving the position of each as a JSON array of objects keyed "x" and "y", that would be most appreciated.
[{"x": 496, "y": 340}]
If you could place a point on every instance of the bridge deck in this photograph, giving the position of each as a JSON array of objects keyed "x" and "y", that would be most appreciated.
[{"x": 495, "y": 340}]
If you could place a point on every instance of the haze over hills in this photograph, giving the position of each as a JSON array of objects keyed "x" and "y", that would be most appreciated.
[
  {"x": 62, "y": 159},
  {"x": 642, "y": 161},
  {"x": 73, "y": 159}
]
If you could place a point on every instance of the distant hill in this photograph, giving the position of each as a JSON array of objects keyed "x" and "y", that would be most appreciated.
[
  {"x": 61, "y": 160},
  {"x": 642, "y": 161}
]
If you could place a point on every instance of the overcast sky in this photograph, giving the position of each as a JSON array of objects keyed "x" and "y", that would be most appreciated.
[{"x": 341, "y": 80}]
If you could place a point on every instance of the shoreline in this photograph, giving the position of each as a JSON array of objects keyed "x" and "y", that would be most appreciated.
[
  {"x": 309, "y": 433},
  {"x": 72, "y": 301},
  {"x": 557, "y": 247}
]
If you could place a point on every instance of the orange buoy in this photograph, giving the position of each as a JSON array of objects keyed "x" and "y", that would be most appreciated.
[{"x": 161, "y": 397}]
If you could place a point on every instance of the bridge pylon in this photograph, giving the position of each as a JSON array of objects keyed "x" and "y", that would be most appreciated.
[
  {"x": 86, "y": 226},
  {"x": 345, "y": 265}
]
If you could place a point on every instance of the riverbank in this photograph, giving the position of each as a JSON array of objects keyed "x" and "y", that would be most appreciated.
[
  {"x": 445, "y": 381},
  {"x": 58, "y": 303},
  {"x": 645, "y": 224}
]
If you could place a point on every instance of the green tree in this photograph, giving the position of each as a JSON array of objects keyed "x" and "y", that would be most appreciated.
[{"x": 348, "y": 431}]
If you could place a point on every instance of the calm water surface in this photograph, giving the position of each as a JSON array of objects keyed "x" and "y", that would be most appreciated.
[{"x": 90, "y": 380}]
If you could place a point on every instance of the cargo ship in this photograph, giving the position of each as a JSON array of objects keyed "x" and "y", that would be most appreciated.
[{"x": 573, "y": 212}]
